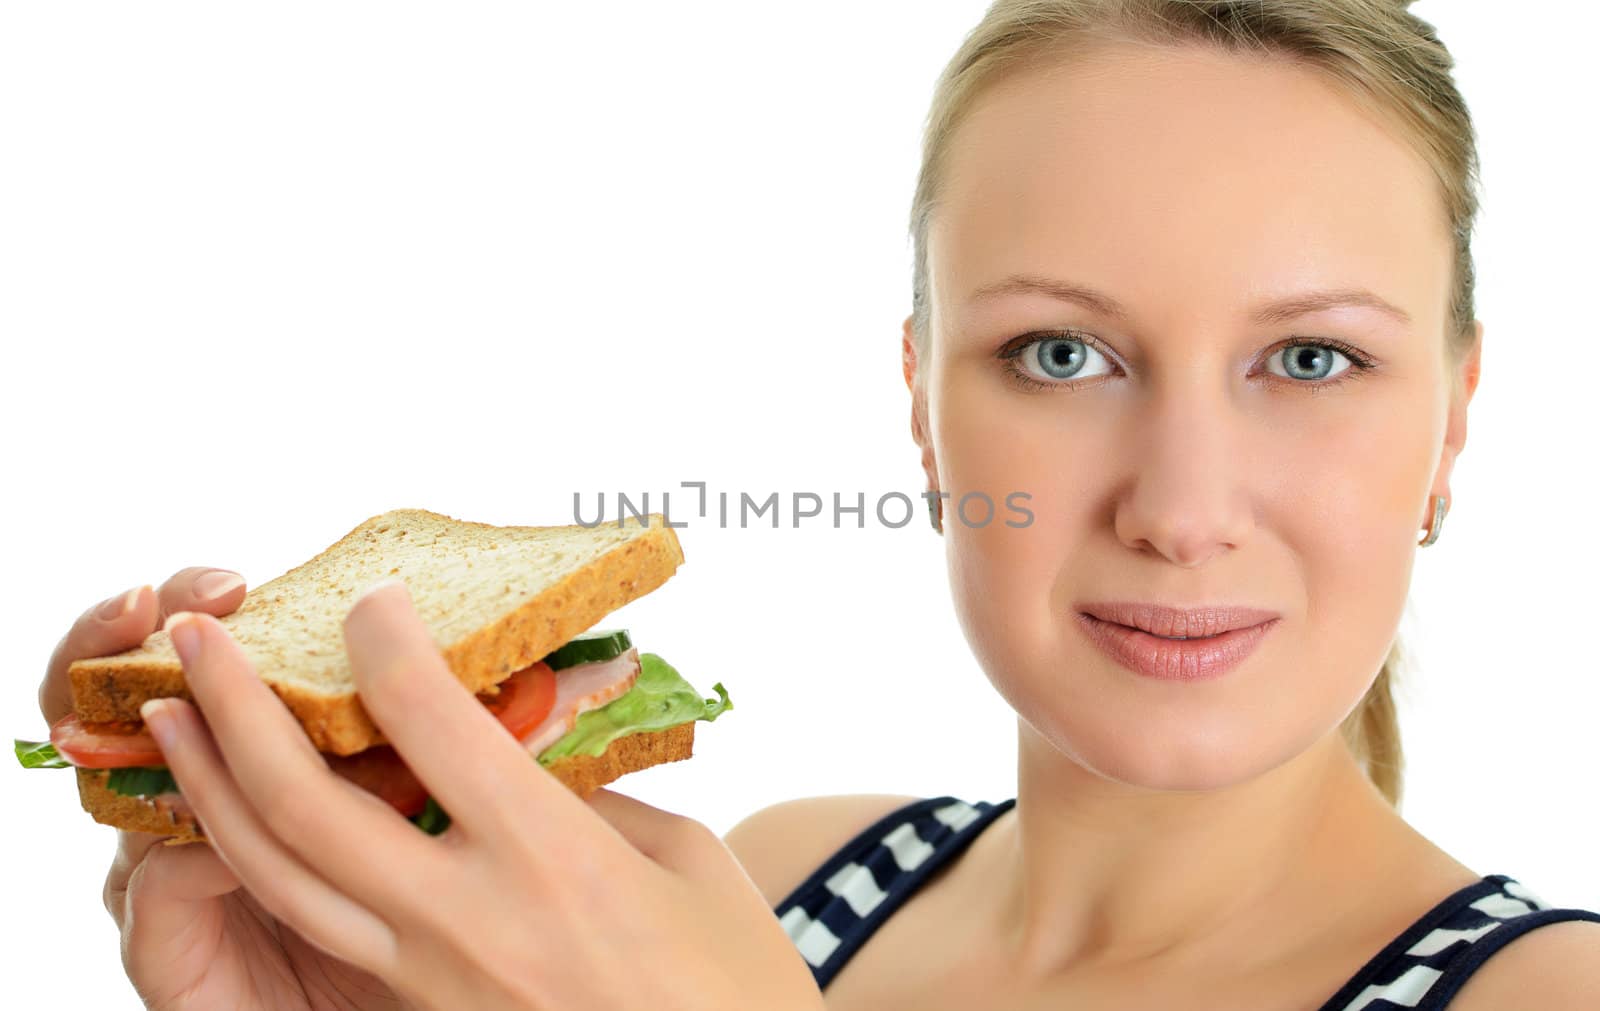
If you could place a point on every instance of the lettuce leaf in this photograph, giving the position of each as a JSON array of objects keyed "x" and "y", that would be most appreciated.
[
  {"x": 660, "y": 699},
  {"x": 133, "y": 781},
  {"x": 39, "y": 755},
  {"x": 142, "y": 781}
]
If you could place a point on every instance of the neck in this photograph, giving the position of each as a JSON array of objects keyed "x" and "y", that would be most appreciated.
[{"x": 1099, "y": 872}]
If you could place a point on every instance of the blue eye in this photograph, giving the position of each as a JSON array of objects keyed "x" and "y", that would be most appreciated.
[
  {"x": 1056, "y": 361},
  {"x": 1307, "y": 361},
  {"x": 1056, "y": 358}
]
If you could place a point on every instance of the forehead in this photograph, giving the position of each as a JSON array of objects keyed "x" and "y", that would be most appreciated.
[{"x": 1186, "y": 180}]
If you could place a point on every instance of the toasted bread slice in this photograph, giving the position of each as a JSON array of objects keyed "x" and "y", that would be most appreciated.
[
  {"x": 582, "y": 774},
  {"x": 496, "y": 598}
]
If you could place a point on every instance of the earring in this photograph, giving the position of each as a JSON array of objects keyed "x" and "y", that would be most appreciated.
[
  {"x": 1435, "y": 521},
  {"x": 935, "y": 512}
]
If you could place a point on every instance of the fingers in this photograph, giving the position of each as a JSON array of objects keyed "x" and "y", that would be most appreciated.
[
  {"x": 198, "y": 588},
  {"x": 329, "y": 823},
  {"x": 453, "y": 744},
  {"x": 108, "y": 627},
  {"x": 285, "y": 886},
  {"x": 124, "y": 620}
]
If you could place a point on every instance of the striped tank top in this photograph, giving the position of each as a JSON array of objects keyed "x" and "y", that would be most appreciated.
[{"x": 835, "y": 910}]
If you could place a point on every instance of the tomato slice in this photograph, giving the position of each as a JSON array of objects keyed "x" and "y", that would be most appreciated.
[
  {"x": 104, "y": 745},
  {"x": 379, "y": 770},
  {"x": 524, "y": 700}
]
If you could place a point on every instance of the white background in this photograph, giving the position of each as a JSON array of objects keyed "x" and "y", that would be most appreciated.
[{"x": 267, "y": 271}]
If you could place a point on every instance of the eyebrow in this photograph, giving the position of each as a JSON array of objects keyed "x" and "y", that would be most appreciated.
[{"x": 1277, "y": 311}]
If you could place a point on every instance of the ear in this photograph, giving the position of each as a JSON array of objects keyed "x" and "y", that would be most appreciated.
[
  {"x": 919, "y": 402},
  {"x": 908, "y": 353},
  {"x": 1463, "y": 384}
]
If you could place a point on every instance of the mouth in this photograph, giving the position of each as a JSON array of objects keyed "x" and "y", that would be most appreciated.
[
  {"x": 1179, "y": 624},
  {"x": 1176, "y": 644}
]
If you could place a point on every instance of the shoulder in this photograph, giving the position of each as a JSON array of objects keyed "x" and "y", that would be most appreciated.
[
  {"x": 781, "y": 845},
  {"x": 1556, "y": 965}
]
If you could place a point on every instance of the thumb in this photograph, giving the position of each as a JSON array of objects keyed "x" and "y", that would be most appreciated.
[
  {"x": 671, "y": 840},
  {"x": 177, "y": 920},
  {"x": 190, "y": 872}
]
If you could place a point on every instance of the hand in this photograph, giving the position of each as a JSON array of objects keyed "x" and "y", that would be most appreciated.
[
  {"x": 531, "y": 899},
  {"x": 191, "y": 937}
]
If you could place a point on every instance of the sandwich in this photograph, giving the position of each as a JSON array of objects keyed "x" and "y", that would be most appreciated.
[{"x": 512, "y": 609}]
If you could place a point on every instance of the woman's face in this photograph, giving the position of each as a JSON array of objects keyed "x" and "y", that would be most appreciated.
[{"x": 1181, "y": 454}]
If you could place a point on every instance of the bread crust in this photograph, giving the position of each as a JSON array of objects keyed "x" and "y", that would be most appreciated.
[
  {"x": 107, "y": 689},
  {"x": 582, "y": 774},
  {"x": 135, "y": 814}
]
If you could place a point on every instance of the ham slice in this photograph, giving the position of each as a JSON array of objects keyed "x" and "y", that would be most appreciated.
[
  {"x": 579, "y": 689},
  {"x": 176, "y": 807}
]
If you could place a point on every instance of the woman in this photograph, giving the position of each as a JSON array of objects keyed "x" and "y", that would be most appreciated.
[{"x": 1195, "y": 278}]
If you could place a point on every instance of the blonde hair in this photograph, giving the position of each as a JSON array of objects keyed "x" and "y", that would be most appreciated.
[{"x": 1385, "y": 57}]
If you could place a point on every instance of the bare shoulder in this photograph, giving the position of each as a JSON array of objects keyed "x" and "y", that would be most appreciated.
[
  {"x": 780, "y": 845},
  {"x": 1554, "y": 966}
]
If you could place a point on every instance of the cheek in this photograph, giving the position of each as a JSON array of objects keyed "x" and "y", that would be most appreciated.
[
  {"x": 1346, "y": 506},
  {"x": 1334, "y": 489},
  {"x": 1005, "y": 579},
  {"x": 1350, "y": 517}
]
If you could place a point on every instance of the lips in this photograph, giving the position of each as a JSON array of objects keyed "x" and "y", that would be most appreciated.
[
  {"x": 1174, "y": 659},
  {"x": 1139, "y": 637},
  {"x": 1173, "y": 622}
]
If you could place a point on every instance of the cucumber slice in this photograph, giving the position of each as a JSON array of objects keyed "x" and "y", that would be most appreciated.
[
  {"x": 432, "y": 819},
  {"x": 603, "y": 644}
]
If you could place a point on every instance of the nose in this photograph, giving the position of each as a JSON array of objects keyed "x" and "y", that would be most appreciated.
[{"x": 1186, "y": 496}]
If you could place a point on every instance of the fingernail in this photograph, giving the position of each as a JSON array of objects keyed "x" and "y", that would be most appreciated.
[
  {"x": 185, "y": 637},
  {"x": 379, "y": 586},
  {"x": 119, "y": 605},
  {"x": 157, "y": 721},
  {"x": 214, "y": 584}
]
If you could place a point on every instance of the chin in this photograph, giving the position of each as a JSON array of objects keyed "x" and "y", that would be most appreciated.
[{"x": 1183, "y": 752}]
